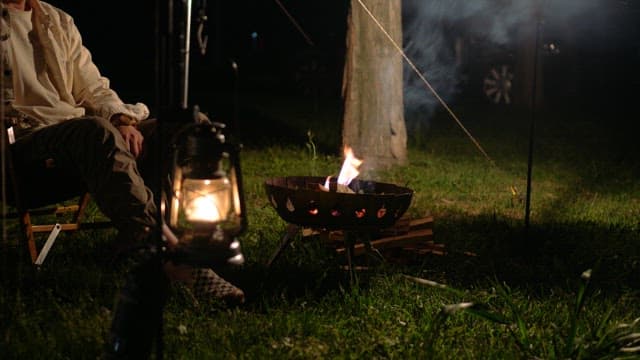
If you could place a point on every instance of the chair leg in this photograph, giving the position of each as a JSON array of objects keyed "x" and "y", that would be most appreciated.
[
  {"x": 27, "y": 230},
  {"x": 82, "y": 205},
  {"x": 48, "y": 244}
]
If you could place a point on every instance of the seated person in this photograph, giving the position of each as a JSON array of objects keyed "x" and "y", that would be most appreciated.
[{"x": 60, "y": 107}]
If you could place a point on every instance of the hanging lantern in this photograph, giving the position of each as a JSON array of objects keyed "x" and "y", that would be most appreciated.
[{"x": 203, "y": 204}]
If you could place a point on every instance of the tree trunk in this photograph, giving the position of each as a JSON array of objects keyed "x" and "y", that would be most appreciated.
[{"x": 373, "y": 122}]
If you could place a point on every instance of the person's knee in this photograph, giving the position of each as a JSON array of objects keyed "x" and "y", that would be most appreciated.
[
  {"x": 100, "y": 132},
  {"x": 99, "y": 126}
]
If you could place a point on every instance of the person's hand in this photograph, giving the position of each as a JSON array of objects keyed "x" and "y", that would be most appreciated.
[
  {"x": 122, "y": 119},
  {"x": 133, "y": 138}
]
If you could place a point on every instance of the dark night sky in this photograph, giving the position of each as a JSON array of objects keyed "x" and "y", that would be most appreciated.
[{"x": 121, "y": 37}]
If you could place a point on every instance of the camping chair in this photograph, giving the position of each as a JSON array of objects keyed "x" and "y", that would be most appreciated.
[{"x": 32, "y": 190}]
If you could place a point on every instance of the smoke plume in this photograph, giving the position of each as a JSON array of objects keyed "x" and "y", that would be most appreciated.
[{"x": 432, "y": 28}]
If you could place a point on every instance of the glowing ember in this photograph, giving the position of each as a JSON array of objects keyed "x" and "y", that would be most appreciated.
[
  {"x": 313, "y": 208},
  {"x": 348, "y": 172}
]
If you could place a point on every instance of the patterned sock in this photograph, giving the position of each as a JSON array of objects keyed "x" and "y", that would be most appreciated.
[{"x": 209, "y": 284}]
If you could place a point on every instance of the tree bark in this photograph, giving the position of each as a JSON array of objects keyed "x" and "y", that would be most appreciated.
[{"x": 373, "y": 119}]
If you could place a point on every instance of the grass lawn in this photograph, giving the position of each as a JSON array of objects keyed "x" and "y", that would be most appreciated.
[{"x": 500, "y": 291}]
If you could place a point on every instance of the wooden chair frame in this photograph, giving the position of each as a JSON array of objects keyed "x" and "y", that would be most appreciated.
[
  {"x": 27, "y": 216},
  {"x": 30, "y": 230}
]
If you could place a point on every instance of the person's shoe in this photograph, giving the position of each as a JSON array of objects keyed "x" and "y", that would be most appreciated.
[{"x": 208, "y": 284}]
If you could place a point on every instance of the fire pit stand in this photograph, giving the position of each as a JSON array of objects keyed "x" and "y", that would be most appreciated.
[
  {"x": 350, "y": 240},
  {"x": 406, "y": 239},
  {"x": 359, "y": 214}
]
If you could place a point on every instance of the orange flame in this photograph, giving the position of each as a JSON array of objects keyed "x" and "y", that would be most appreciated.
[{"x": 349, "y": 170}]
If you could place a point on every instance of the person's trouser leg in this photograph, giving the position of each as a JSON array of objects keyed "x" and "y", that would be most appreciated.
[{"x": 93, "y": 149}]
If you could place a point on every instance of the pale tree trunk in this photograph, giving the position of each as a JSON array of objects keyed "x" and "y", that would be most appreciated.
[{"x": 373, "y": 122}]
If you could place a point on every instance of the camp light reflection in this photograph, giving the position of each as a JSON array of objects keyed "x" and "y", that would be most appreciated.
[{"x": 203, "y": 208}]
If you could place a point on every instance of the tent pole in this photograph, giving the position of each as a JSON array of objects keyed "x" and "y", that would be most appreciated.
[{"x": 527, "y": 215}]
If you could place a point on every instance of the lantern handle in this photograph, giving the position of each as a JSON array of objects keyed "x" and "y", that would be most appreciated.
[{"x": 199, "y": 117}]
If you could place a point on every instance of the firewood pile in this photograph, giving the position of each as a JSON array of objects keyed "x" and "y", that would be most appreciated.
[{"x": 408, "y": 236}]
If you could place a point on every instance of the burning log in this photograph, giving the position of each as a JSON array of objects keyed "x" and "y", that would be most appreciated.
[
  {"x": 341, "y": 188},
  {"x": 348, "y": 172}
]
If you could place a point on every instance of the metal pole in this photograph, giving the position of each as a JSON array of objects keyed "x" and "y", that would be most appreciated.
[
  {"x": 186, "y": 38},
  {"x": 3, "y": 166},
  {"x": 527, "y": 214},
  {"x": 3, "y": 144}
]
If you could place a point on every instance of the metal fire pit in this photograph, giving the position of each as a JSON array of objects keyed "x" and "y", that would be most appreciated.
[{"x": 374, "y": 205}]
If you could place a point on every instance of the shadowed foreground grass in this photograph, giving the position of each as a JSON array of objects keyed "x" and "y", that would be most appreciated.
[{"x": 499, "y": 292}]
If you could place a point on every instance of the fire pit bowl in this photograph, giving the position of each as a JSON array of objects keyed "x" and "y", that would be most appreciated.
[{"x": 373, "y": 205}]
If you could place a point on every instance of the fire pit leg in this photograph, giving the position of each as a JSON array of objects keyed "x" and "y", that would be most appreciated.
[
  {"x": 371, "y": 250},
  {"x": 292, "y": 231},
  {"x": 349, "y": 245},
  {"x": 351, "y": 238}
]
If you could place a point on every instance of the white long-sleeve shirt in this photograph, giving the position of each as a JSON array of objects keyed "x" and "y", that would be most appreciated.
[{"x": 54, "y": 77}]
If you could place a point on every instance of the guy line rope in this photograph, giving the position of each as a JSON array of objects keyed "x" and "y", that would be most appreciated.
[{"x": 426, "y": 82}]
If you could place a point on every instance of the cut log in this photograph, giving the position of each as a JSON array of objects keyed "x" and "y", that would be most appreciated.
[{"x": 414, "y": 235}]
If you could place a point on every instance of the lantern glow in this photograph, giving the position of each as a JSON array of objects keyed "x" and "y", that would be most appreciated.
[
  {"x": 206, "y": 200},
  {"x": 204, "y": 207}
]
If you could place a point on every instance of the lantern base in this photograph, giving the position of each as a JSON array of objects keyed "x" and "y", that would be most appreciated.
[{"x": 213, "y": 255}]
